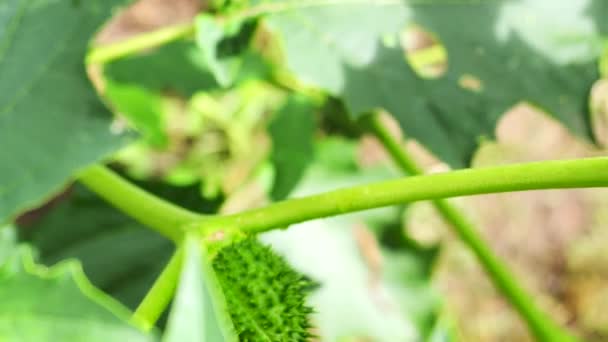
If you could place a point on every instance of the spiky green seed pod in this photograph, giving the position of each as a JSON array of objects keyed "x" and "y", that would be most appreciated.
[{"x": 266, "y": 297}]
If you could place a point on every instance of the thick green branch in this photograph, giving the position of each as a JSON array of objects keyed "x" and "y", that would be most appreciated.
[
  {"x": 107, "y": 53},
  {"x": 580, "y": 173},
  {"x": 156, "y": 213},
  {"x": 540, "y": 324},
  {"x": 161, "y": 293}
]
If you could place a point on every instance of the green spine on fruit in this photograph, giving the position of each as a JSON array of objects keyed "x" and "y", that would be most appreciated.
[{"x": 266, "y": 298}]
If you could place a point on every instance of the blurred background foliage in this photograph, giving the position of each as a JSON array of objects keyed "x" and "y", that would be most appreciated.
[{"x": 394, "y": 274}]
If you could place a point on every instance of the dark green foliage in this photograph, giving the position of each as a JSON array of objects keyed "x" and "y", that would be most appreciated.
[
  {"x": 226, "y": 50},
  {"x": 51, "y": 121},
  {"x": 266, "y": 297},
  {"x": 176, "y": 69},
  {"x": 237, "y": 43},
  {"x": 336, "y": 120},
  {"x": 118, "y": 255}
]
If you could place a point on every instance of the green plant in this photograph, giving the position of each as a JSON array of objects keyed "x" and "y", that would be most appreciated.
[{"x": 234, "y": 65}]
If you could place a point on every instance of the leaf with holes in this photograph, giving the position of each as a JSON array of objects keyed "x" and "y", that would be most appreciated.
[{"x": 494, "y": 60}]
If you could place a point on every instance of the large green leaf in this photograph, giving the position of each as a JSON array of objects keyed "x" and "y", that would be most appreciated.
[
  {"x": 199, "y": 312},
  {"x": 51, "y": 122},
  {"x": 499, "y": 52},
  {"x": 58, "y": 304}
]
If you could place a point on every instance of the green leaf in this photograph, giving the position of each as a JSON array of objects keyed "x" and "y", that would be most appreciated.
[
  {"x": 119, "y": 255},
  {"x": 265, "y": 296},
  {"x": 143, "y": 109},
  {"x": 58, "y": 304},
  {"x": 292, "y": 132},
  {"x": 51, "y": 122},
  {"x": 177, "y": 67},
  {"x": 495, "y": 59},
  {"x": 199, "y": 310}
]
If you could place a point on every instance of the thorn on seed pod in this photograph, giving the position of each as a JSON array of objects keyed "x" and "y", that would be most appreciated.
[{"x": 266, "y": 297}]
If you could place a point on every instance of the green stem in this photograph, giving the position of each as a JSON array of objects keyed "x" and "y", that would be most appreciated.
[
  {"x": 164, "y": 217},
  {"x": 603, "y": 62},
  {"x": 579, "y": 173},
  {"x": 107, "y": 53},
  {"x": 540, "y": 324},
  {"x": 161, "y": 293}
]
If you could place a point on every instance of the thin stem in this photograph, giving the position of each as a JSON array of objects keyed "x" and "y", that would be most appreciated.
[
  {"x": 392, "y": 145},
  {"x": 579, "y": 173},
  {"x": 107, "y": 53},
  {"x": 164, "y": 217},
  {"x": 161, "y": 293},
  {"x": 540, "y": 324}
]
